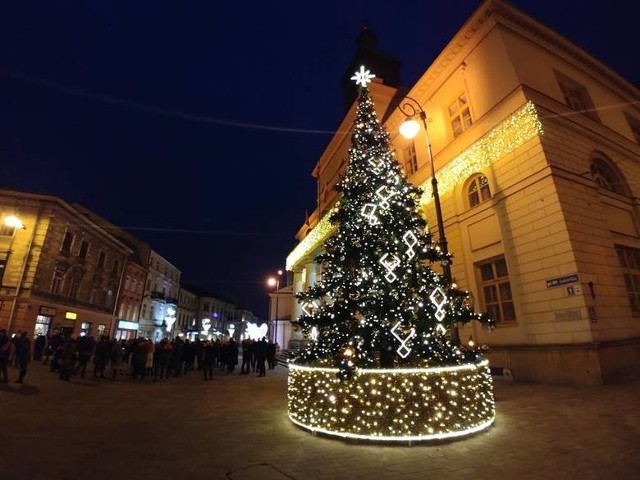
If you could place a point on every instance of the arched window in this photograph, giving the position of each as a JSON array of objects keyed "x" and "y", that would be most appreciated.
[
  {"x": 607, "y": 175},
  {"x": 478, "y": 190}
]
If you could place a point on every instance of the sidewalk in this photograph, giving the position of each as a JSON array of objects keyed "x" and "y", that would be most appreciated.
[{"x": 236, "y": 427}]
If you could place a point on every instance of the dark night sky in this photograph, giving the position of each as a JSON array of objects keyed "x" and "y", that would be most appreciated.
[{"x": 196, "y": 124}]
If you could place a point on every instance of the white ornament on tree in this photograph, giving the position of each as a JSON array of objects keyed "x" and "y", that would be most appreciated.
[
  {"x": 439, "y": 300},
  {"x": 384, "y": 194},
  {"x": 391, "y": 264},
  {"x": 410, "y": 240},
  {"x": 403, "y": 350},
  {"x": 368, "y": 211}
]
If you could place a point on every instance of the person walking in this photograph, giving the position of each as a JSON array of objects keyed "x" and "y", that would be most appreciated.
[
  {"x": 117, "y": 356},
  {"x": 247, "y": 353},
  {"x": 271, "y": 354},
  {"x": 101, "y": 356},
  {"x": 68, "y": 358},
  {"x": 5, "y": 351},
  {"x": 232, "y": 355},
  {"x": 208, "y": 360},
  {"x": 260, "y": 351},
  {"x": 39, "y": 345},
  {"x": 163, "y": 358},
  {"x": 23, "y": 355},
  {"x": 86, "y": 346}
]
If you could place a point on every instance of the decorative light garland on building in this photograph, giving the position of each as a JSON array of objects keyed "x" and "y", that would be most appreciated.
[
  {"x": 501, "y": 140},
  {"x": 426, "y": 403},
  {"x": 312, "y": 241}
]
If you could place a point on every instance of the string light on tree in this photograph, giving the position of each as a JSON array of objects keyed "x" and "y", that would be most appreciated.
[{"x": 378, "y": 293}]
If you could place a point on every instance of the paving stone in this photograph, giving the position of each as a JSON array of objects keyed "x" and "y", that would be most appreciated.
[{"x": 235, "y": 427}]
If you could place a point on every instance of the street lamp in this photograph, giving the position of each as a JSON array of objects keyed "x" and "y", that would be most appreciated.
[
  {"x": 275, "y": 282},
  {"x": 409, "y": 129}
]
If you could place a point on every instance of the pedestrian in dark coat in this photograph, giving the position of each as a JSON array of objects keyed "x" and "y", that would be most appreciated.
[
  {"x": 232, "y": 355},
  {"x": 271, "y": 355},
  {"x": 247, "y": 353},
  {"x": 23, "y": 355},
  {"x": 38, "y": 347},
  {"x": 208, "y": 360},
  {"x": 101, "y": 356},
  {"x": 5, "y": 351},
  {"x": 86, "y": 345},
  {"x": 68, "y": 358},
  {"x": 163, "y": 358},
  {"x": 260, "y": 351}
]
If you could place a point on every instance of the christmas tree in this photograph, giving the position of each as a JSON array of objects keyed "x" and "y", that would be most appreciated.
[
  {"x": 381, "y": 364},
  {"x": 379, "y": 301}
]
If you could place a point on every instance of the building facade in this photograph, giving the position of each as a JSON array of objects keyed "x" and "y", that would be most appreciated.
[
  {"x": 280, "y": 308},
  {"x": 61, "y": 271},
  {"x": 129, "y": 297},
  {"x": 160, "y": 299},
  {"x": 188, "y": 324},
  {"x": 535, "y": 147}
]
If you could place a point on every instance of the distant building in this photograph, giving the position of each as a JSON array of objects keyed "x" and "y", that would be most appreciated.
[
  {"x": 160, "y": 299},
  {"x": 536, "y": 151},
  {"x": 60, "y": 270},
  {"x": 280, "y": 308},
  {"x": 129, "y": 298},
  {"x": 188, "y": 324}
]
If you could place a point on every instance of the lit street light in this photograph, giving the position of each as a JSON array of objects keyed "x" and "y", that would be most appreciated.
[
  {"x": 409, "y": 129},
  {"x": 275, "y": 282}
]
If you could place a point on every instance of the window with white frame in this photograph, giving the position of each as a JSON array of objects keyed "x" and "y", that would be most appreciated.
[
  {"x": 607, "y": 176},
  {"x": 630, "y": 264},
  {"x": 478, "y": 190},
  {"x": 460, "y": 115},
  {"x": 84, "y": 248},
  {"x": 496, "y": 289},
  {"x": 56, "y": 283},
  {"x": 74, "y": 289},
  {"x": 67, "y": 242},
  {"x": 101, "y": 259},
  {"x": 577, "y": 96},
  {"x": 411, "y": 159}
]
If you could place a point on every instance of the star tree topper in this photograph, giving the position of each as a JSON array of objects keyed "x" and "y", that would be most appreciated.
[{"x": 363, "y": 77}]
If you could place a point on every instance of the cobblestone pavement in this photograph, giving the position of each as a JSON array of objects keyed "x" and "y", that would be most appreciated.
[{"x": 235, "y": 427}]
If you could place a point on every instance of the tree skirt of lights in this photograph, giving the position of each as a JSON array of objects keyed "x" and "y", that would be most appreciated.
[{"x": 397, "y": 405}]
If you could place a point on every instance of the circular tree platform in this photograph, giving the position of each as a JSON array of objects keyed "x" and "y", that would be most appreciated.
[{"x": 396, "y": 405}]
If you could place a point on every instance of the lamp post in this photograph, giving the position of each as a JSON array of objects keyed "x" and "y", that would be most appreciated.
[
  {"x": 409, "y": 129},
  {"x": 275, "y": 282}
]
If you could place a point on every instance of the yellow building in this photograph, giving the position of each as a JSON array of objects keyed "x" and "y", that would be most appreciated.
[
  {"x": 60, "y": 270},
  {"x": 536, "y": 151}
]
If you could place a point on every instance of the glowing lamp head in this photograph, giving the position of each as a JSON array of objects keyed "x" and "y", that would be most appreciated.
[
  {"x": 471, "y": 343},
  {"x": 272, "y": 282},
  {"x": 409, "y": 128},
  {"x": 13, "y": 221},
  {"x": 348, "y": 352}
]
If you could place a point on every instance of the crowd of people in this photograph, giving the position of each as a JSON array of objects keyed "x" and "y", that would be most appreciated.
[{"x": 137, "y": 358}]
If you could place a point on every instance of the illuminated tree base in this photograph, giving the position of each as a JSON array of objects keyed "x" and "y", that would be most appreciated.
[{"x": 398, "y": 405}]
